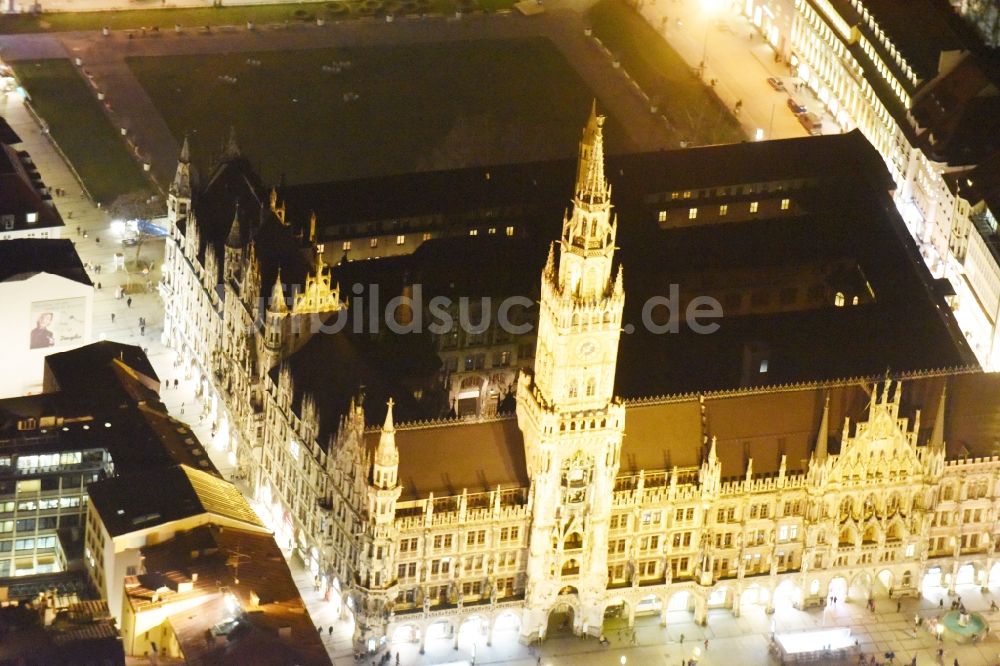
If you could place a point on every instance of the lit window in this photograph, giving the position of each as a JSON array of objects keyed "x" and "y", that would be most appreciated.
[
  {"x": 345, "y": 246},
  {"x": 492, "y": 231},
  {"x": 32, "y": 217},
  {"x": 673, "y": 195},
  {"x": 753, "y": 206},
  {"x": 723, "y": 210},
  {"x": 473, "y": 232},
  {"x": 838, "y": 300},
  {"x": 373, "y": 242},
  {"x": 427, "y": 236},
  {"x": 763, "y": 366},
  {"x": 687, "y": 195},
  {"x": 510, "y": 231},
  {"x": 785, "y": 203},
  {"x": 662, "y": 217},
  {"x": 692, "y": 213},
  {"x": 400, "y": 239}
]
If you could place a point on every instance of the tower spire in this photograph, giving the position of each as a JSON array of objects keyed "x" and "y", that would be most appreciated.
[
  {"x": 235, "y": 238},
  {"x": 937, "y": 434},
  {"x": 824, "y": 431},
  {"x": 181, "y": 187},
  {"x": 591, "y": 185},
  {"x": 387, "y": 455},
  {"x": 277, "y": 302}
]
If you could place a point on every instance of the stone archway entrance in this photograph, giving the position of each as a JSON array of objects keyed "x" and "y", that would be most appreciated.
[{"x": 561, "y": 619}]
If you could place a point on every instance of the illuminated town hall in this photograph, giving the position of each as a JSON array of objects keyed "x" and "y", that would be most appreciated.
[{"x": 744, "y": 469}]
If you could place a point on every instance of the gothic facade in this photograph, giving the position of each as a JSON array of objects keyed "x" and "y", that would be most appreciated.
[{"x": 583, "y": 502}]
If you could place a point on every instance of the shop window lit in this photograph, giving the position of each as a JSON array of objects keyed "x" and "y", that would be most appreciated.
[
  {"x": 473, "y": 232},
  {"x": 346, "y": 246},
  {"x": 373, "y": 242},
  {"x": 510, "y": 231}
]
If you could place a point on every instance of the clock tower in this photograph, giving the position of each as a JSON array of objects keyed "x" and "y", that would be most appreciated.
[{"x": 571, "y": 422}]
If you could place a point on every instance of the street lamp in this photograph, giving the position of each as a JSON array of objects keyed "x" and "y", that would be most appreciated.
[{"x": 623, "y": 660}]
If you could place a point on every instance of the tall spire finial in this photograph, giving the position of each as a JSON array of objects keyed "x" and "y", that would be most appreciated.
[
  {"x": 591, "y": 185},
  {"x": 937, "y": 434},
  {"x": 386, "y": 454},
  {"x": 277, "y": 303},
  {"x": 824, "y": 431},
  {"x": 235, "y": 238},
  {"x": 181, "y": 187},
  {"x": 388, "y": 426}
]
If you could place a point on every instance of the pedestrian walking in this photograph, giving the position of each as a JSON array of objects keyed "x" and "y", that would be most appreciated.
[
  {"x": 706, "y": 645},
  {"x": 682, "y": 639},
  {"x": 78, "y": 231},
  {"x": 98, "y": 286},
  {"x": 182, "y": 408},
  {"x": 899, "y": 606},
  {"x": 142, "y": 329},
  {"x": 175, "y": 383},
  {"x": 330, "y": 633},
  {"x": 129, "y": 301},
  {"x": 97, "y": 239},
  {"x": 112, "y": 317}
]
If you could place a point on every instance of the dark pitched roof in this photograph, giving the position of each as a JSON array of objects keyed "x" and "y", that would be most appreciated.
[
  {"x": 167, "y": 494},
  {"x": 89, "y": 368},
  {"x": 21, "y": 258},
  {"x": 765, "y": 424},
  {"x": 22, "y": 192},
  {"x": 7, "y": 133},
  {"x": 450, "y": 456},
  {"x": 959, "y": 113},
  {"x": 339, "y": 367}
]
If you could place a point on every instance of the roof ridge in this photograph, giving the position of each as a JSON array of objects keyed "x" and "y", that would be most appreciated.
[
  {"x": 441, "y": 422},
  {"x": 804, "y": 385}
]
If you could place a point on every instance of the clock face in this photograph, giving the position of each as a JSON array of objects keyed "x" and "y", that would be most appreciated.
[{"x": 587, "y": 349}]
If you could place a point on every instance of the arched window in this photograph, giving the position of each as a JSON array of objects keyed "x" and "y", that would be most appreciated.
[
  {"x": 591, "y": 387},
  {"x": 572, "y": 389}
]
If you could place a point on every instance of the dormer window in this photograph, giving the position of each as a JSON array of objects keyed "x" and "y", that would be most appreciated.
[{"x": 32, "y": 217}]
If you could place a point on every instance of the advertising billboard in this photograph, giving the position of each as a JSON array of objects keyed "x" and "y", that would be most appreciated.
[{"x": 57, "y": 323}]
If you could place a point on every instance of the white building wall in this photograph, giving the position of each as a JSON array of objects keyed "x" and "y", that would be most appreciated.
[{"x": 25, "y": 302}]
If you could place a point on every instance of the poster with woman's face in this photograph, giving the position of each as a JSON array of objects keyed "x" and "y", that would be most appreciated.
[{"x": 57, "y": 322}]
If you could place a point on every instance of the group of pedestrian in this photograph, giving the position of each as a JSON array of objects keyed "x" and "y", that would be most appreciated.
[{"x": 142, "y": 325}]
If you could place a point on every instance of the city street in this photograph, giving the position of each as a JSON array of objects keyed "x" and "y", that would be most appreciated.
[{"x": 737, "y": 57}]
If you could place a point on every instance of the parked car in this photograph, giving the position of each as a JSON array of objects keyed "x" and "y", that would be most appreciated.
[
  {"x": 796, "y": 108},
  {"x": 812, "y": 122},
  {"x": 776, "y": 83}
]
